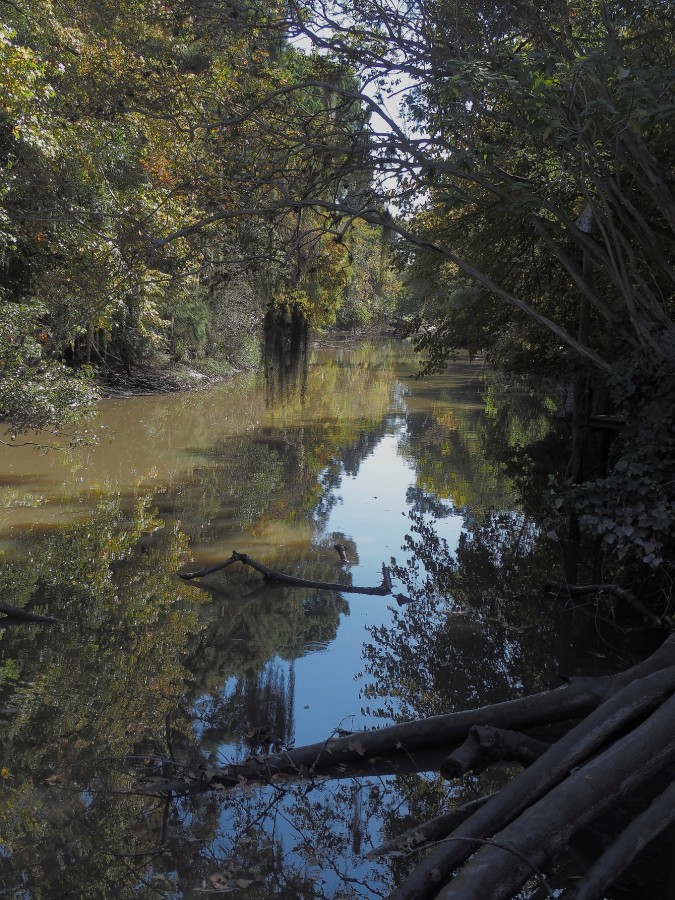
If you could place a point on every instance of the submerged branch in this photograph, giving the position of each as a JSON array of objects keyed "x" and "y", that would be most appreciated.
[{"x": 270, "y": 575}]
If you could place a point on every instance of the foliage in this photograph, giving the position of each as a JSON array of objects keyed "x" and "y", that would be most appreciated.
[
  {"x": 110, "y": 142},
  {"x": 631, "y": 508},
  {"x": 518, "y": 122},
  {"x": 373, "y": 289},
  {"x": 36, "y": 390}
]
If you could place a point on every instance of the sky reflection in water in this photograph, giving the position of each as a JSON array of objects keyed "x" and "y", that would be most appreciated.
[
  {"x": 366, "y": 445},
  {"x": 373, "y": 512}
]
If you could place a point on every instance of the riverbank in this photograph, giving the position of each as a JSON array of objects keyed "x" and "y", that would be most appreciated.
[
  {"x": 166, "y": 377},
  {"x": 157, "y": 379}
]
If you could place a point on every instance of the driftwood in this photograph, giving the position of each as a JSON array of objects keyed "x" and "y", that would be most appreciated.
[
  {"x": 262, "y": 770},
  {"x": 620, "y": 739},
  {"x": 270, "y": 575},
  {"x": 22, "y": 615},
  {"x": 397, "y": 748}
]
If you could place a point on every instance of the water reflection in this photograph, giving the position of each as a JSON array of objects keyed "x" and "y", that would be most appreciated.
[
  {"x": 146, "y": 668},
  {"x": 285, "y": 348}
]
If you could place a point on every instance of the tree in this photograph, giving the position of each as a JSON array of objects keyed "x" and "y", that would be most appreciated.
[
  {"x": 547, "y": 123},
  {"x": 110, "y": 133}
]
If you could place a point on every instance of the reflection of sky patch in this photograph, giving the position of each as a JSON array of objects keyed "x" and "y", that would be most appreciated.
[{"x": 373, "y": 514}]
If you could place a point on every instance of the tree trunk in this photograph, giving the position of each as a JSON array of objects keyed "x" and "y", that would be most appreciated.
[{"x": 579, "y": 698}]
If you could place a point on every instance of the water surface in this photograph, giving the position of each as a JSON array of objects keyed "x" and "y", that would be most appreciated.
[{"x": 146, "y": 665}]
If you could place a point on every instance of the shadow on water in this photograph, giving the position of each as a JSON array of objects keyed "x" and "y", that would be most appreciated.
[{"x": 285, "y": 341}]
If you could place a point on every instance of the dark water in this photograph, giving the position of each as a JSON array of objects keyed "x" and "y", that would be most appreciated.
[{"x": 145, "y": 665}]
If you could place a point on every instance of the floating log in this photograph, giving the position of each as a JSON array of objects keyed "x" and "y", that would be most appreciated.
[
  {"x": 341, "y": 756},
  {"x": 270, "y": 575},
  {"x": 492, "y": 847}
]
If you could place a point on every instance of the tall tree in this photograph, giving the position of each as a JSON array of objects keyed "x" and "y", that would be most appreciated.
[{"x": 551, "y": 121}]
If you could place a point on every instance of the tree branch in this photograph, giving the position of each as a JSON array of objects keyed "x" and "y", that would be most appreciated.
[{"x": 270, "y": 575}]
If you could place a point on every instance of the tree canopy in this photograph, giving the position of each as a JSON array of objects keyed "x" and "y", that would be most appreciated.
[
  {"x": 121, "y": 131},
  {"x": 533, "y": 153},
  {"x": 151, "y": 155}
]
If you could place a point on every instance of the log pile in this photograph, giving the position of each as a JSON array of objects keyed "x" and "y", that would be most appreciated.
[{"x": 619, "y": 744}]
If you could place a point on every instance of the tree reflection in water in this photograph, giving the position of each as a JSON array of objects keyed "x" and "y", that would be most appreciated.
[
  {"x": 103, "y": 701},
  {"x": 146, "y": 667},
  {"x": 285, "y": 360}
]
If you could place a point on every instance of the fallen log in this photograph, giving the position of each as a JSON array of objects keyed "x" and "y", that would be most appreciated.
[
  {"x": 621, "y": 743},
  {"x": 339, "y": 756},
  {"x": 545, "y": 827},
  {"x": 257, "y": 771},
  {"x": 633, "y": 701},
  {"x": 270, "y": 575},
  {"x": 623, "y": 739},
  {"x": 630, "y": 843}
]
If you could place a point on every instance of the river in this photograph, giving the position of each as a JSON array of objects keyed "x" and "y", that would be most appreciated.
[{"x": 421, "y": 475}]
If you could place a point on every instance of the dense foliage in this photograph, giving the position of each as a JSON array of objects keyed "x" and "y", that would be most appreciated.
[
  {"x": 531, "y": 176},
  {"x": 121, "y": 127},
  {"x": 171, "y": 171}
]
